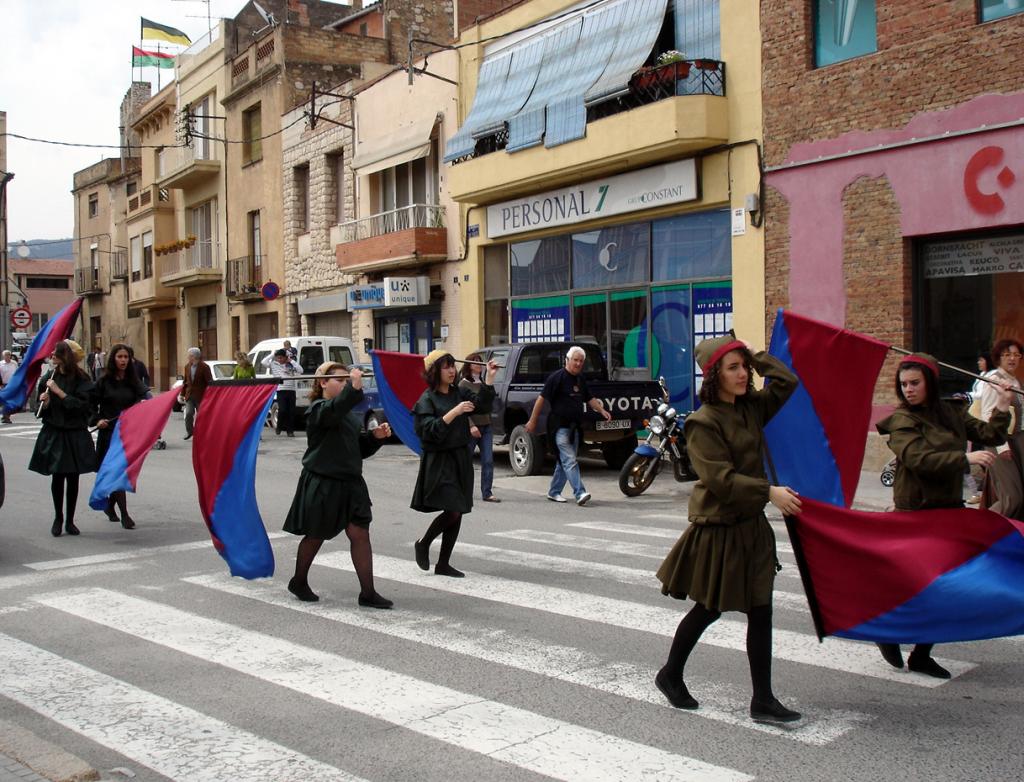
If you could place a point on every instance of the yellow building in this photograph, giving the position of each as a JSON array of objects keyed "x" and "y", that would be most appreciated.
[{"x": 607, "y": 161}]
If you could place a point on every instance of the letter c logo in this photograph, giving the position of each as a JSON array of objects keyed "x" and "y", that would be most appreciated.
[{"x": 985, "y": 158}]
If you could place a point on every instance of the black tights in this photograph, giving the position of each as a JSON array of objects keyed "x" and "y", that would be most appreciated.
[
  {"x": 120, "y": 499},
  {"x": 447, "y": 525},
  {"x": 362, "y": 557},
  {"x": 759, "y": 644},
  {"x": 57, "y": 491}
]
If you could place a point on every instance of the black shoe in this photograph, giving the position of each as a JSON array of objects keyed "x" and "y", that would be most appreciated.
[
  {"x": 111, "y": 514},
  {"x": 375, "y": 601},
  {"x": 291, "y": 434},
  {"x": 70, "y": 528},
  {"x": 302, "y": 591},
  {"x": 277, "y": 432},
  {"x": 127, "y": 522},
  {"x": 675, "y": 691},
  {"x": 926, "y": 664},
  {"x": 772, "y": 712},
  {"x": 188, "y": 437},
  {"x": 891, "y": 654},
  {"x": 57, "y": 527},
  {"x": 448, "y": 570},
  {"x": 422, "y": 555}
]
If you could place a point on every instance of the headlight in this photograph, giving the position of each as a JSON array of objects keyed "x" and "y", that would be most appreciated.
[{"x": 657, "y": 424}]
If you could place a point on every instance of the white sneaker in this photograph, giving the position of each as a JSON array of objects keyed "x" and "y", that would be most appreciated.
[
  {"x": 583, "y": 499},
  {"x": 556, "y": 498}
]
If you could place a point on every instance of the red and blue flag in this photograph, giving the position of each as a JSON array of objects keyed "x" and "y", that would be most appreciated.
[
  {"x": 400, "y": 383},
  {"x": 227, "y": 435},
  {"x": 933, "y": 576},
  {"x": 57, "y": 329},
  {"x": 136, "y": 431}
]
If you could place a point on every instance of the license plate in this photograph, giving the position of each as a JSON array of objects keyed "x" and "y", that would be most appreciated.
[{"x": 615, "y": 423}]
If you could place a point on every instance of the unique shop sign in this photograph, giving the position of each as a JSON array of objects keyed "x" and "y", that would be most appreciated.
[
  {"x": 996, "y": 255},
  {"x": 671, "y": 183}
]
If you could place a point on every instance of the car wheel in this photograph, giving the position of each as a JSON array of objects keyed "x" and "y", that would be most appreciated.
[
  {"x": 272, "y": 416},
  {"x": 525, "y": 452}
]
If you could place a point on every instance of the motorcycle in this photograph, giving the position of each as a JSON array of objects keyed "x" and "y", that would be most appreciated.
[{"x": 665, "y": 436}]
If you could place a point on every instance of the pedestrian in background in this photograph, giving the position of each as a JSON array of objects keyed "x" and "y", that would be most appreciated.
[
  {"x": 929, "y": 437},
  {"x": 726, "y": 559},
  {"x": 331, "y": 495},
  {"x": 286, "y": 370},
  {"x": 1006, "y": 355},
  {"x": 118, "y": 389},
  {"x": 445, "y": 479},
  {"x": 141, "y": 372},
  {"x": 244, "y": 370},
  {"x": 64, "y": 449},
  {"x": 95, "y": 363},
  {"x": 8, "y": 366},
  {"x": 198, "y": 377},
  {"x": 480, "y": 429},
  {"x": 566, "y": 392}
]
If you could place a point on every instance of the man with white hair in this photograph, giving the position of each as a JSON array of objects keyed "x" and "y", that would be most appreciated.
[
  {"x": 8, "y": 366},
  {"x": 197, "y": 377},
  {"x": 566, "y": 392}
]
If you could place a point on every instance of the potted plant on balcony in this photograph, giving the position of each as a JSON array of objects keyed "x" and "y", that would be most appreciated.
[{"x": 673, "y": 65}]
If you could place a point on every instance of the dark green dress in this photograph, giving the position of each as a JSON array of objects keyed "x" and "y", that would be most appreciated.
[
  {"x": 445, "y": 479},
  {"x": 332, "y": 493},
  {"x": 64, "y": 445},
  {"x": 725, "y": 560}
]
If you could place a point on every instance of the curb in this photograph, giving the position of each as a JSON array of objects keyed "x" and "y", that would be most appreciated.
[{"x": 43, "y": 757}]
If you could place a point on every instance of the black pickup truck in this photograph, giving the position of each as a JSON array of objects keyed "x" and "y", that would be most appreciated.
[{"x": 525, "y": 368}]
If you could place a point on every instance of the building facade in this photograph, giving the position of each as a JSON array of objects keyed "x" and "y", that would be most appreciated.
[
  {"x": 607, "y": 164},
  {"x": 44, "y": 286},
  {"x": 895, "y": 198}
]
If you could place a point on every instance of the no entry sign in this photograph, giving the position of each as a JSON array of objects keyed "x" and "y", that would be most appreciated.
[{"x": 21, "y": 317}]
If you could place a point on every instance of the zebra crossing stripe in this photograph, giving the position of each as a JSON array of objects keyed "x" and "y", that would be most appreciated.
[
  {"x": 601, "y": 544},
  {"x": 652, "y": 532},
  {"x": 721, "y": 703},
  {"x": 835, "y": 654},
  {"x": 504, "y": 733},
  {"x": 791, "y": 601},
  {"x": 47, "y": 579},
  {"x": 173, "y": 740}
]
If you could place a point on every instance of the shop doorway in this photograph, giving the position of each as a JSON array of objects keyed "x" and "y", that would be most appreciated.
[{"x": 410, "y": 333}]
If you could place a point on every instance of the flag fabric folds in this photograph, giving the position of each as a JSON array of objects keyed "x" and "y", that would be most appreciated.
[
  {"x": 927, "y": 576},
  {"x": 153, "y": 31},
  {"x": 227, "y": 434},
  {"x": 399, "y": 384},
  {"x": 58, "y": 328},
  {"x": 817, "y": 440},
  {"x": 142, "y": 58},
  {"x": 136, "y": 431}
]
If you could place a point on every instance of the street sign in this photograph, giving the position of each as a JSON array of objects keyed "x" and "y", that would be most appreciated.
[{"x": 21, "y": 317}]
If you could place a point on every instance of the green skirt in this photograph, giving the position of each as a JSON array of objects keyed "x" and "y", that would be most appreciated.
[
  {"x": 63, "y": 451},
  {"x": 444, "y": 482},
  {"x": 722, "y": 567},
  {"x": 323, "y": 507}
]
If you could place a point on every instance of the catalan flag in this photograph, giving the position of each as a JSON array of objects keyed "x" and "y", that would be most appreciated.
[{"x": 151, "y": 31}]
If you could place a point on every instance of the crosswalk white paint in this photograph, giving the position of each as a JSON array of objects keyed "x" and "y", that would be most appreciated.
[
  {"x": 173, "y": 740},
  {"x": 136, "y": 553},
  {"x": 505, "y": 733},
  {"x": 46, "y": 579},
  {"x": 652, "y": 532},
  {"x": 791, "y": 601},
  {"x": 835, "y": 654},
  {"x": 21, "y": 431},
  {"x": 721, "y": 703}
]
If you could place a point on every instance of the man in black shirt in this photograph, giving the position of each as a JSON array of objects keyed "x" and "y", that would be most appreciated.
[{"x": 567, "y": 393}]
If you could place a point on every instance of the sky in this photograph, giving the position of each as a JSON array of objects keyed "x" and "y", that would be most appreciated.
[{"x": 65, "y": 66}]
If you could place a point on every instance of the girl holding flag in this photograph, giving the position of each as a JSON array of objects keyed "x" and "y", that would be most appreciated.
[
  {"x": 929, "y": 437},
  {"x": 725, "y": 560},
  {"x": 332, "y": 495},
  {"x": 64, "y": 449},
  {"x": 117, "y": 389}
]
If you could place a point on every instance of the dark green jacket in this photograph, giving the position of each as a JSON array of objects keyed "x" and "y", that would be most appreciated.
[
  {"x": 931, "y": 457},
  {"x": 725, "y": 443},
  {"x": 336, "y": 443},
  {"x": 75, "y": 409},
  {"x": 432, "y": 406}
]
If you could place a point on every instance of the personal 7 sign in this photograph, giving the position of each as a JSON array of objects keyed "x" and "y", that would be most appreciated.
[{"x": 21, "y": 317}]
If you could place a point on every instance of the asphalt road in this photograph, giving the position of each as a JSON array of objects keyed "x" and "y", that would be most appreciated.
[{"x": 135, "y": 650}]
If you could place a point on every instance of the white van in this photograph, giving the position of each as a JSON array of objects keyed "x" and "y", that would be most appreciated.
[{"x": 311, "y": 353}]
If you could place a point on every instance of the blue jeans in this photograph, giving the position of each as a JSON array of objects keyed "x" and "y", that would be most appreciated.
[
  {"x": 567, "y": 468},
  {"x": 486, "y": 445}
]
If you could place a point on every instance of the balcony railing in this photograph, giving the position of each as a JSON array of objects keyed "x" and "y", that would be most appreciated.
[
  {"x": 201, "y": 255},
  {"x": 119, "y": 265},
  {"x": 648, "y": 85},
  {"x": 412, "y": 216},
  {"x": 149, "y": 197},
  {"x": 87, "y": 280},
  {"x": 245, "y": 277}
]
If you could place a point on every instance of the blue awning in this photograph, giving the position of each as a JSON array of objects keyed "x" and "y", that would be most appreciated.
[
  {"x": 522, "y": 76},
  {"x": 634, "y": 44},
  {"x": 489, "y": 87}
]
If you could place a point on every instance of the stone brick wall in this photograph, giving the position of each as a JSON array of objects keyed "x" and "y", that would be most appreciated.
[{"x": 472, "y": 10}]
